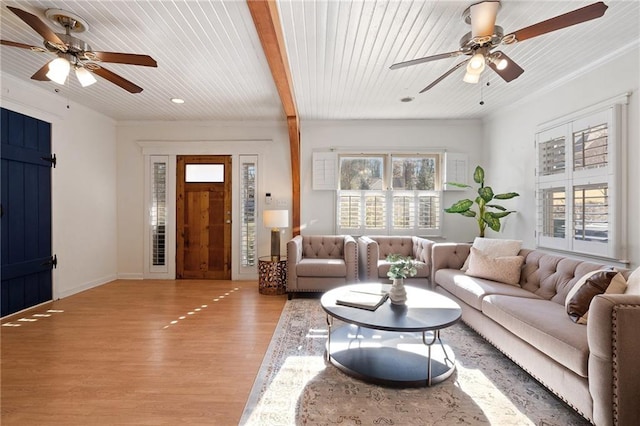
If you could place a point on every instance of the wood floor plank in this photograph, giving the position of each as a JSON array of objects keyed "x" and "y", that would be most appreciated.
[{"x": 149, "y": 352}]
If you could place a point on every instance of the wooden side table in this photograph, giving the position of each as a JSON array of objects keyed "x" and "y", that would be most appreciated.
[{"x": 272, "y": 275}]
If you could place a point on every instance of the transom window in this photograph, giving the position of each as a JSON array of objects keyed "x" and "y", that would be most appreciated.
[{"x": 389, "y": 194}]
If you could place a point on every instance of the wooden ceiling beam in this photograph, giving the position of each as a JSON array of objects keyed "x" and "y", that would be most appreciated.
[{"x": 267, "y": 22}]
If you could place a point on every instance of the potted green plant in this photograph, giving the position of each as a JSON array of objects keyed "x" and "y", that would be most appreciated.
[
  {"x": 401, "y": 267},
  {"x": 484, "y": 216}
]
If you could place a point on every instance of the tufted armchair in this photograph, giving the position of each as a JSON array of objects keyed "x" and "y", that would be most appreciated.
[
  {"x": 373, "y": 252},
  {"x": 321, "y": 262}
]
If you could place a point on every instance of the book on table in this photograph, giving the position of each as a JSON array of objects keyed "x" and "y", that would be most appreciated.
[{"x": 362, "y": 299}]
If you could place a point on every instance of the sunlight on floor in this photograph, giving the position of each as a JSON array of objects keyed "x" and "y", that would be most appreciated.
[
  {"x": 200, "y": 308},
  {"x": 291, "y": 379}
]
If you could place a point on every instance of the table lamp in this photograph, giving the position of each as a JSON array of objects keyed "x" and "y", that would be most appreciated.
[{"x": 275, "y": 219}]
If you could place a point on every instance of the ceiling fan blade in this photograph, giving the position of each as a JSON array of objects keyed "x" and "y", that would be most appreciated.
[
  {"x": 20, "y": 45},
  {"x": 40, "y": 27},
  {"x": 511, "y": 72},
  {"x": 445, "y": 75},
  {"x": 123, "y": 58},
  {"x": 587, "y": 13},
  {"x": 425, "y": 59},
  {"x": 41, "y": 74},
  {"x": 116, "y": 79},
  {"x": 483, "y": 18}
]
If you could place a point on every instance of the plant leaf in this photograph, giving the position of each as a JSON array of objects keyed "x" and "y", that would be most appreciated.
[
  {"x": 506, "y": 196},
  {"x": 459, "y": 185},
  {"x": 493, "y": 222},
  {"x": 460, "y": 206},
  {"x": 468, "y": 213},
  {"x": 495, "y": 206},
  {"x": 478, "y": 175},
  {"x": 499, "y": 215},
  {"x": 486, "y": 193}
]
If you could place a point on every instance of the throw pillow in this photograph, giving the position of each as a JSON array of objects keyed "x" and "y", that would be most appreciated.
[
  {"x": 583, "y": 279},
  {"x": 597, "y": 283},
  {"x": 618, "y": 286},
  {"x": 633, "y": 283},
  {"x": 504, "y": 269},
  {"x": 494, "y": 247}
]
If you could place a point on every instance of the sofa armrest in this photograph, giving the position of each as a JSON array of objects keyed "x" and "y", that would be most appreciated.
[
  {"x": 368, "y": 253},
  {"x": 351, "y": 258},
  {"x": 614, "y": 370},
  {"x": 294, "y": 256},
  {"x": 448, "y": 256}
]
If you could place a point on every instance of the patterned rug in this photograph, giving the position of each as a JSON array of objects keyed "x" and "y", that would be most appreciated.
[{"x": 295, "y": 386}]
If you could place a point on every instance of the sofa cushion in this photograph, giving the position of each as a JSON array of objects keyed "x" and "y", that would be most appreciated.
[
  {"x": 504, "y": 269},
  {"x": 471, "y": 290},
  {"x": 543, "y": 324},
  {"x": 494, "y": 247},
  {"x": 383, "y": 268},
  {"x": 314, "y": 267}
]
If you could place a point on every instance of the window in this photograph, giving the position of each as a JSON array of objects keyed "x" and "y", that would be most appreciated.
[
  {"x": 248, "y": 231},
  {"x": 578, "y": 185},
  {"x": 389, "y": 194},
  {"x": 159, "y": 213}
]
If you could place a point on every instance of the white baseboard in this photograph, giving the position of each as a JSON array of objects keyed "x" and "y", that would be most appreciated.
[
  {"x": 86, "y": 286},
  {"x": 130, "y": 276}
]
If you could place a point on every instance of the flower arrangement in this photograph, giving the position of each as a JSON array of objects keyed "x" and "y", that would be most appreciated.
[{"x": 401, "y": 266}]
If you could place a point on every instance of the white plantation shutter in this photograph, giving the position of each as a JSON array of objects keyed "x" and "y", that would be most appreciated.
[
  {"x": 579, "y": 192},
  {"x": 349, "y": 211},
  {"x": 429, "y": 211},
  {"x": 404, "y": 211},
  {"x": 375, "y": 211}
]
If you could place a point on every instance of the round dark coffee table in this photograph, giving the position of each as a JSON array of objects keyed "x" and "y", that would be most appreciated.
[{"x": 395, "y": 345}]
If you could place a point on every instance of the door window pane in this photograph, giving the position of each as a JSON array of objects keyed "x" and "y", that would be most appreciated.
[{"x": 204, "y": 173}]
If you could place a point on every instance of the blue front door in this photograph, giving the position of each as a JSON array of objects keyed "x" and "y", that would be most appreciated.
[{"x": 25, "y": 226}]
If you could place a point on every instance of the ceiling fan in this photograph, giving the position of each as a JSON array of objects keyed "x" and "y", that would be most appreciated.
[
  {"x": 74, "y": 52},
  {"x": 485, "y": 36}
]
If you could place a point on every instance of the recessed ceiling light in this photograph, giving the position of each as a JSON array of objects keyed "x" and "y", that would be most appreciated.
[
  {"x": 407, "y": 99},
  {"x": 177, "y": 100}
]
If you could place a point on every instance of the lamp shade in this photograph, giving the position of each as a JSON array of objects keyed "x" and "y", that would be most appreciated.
[
  {"x": 85, "y": 77},
  {"x": 58, "y": 70},
  {"x": 276, "y": 218}
]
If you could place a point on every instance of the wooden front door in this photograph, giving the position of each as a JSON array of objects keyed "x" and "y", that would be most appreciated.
[
  {"x": 204, "y": 217},
  {"x": 26, "y": 212}
]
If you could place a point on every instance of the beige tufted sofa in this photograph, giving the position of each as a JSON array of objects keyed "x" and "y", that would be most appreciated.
[
  {"x": 373, "y": 252},
  {"x": 320, "y": 262},
  {"x": 595, "y": 368}
]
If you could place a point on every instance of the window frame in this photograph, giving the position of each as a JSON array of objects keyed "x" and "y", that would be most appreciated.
[
  {"x": 389, "y": 194},
  {"x": 609, "y": 176}
]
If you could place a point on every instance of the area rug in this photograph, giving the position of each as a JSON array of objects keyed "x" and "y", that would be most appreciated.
[{"x": 295, "y": 386}]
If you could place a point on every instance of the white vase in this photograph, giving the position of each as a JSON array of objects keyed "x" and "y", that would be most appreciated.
[{"x": 398, "y": 294}]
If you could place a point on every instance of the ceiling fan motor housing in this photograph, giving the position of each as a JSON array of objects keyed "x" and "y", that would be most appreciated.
[
  {"x": 75, "y": 46},
  {"x": 469, "y": 44}
]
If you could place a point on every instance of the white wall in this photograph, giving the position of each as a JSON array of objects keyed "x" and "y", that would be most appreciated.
[
  {"x": 318, "y": 207},
  {"x": 268, "y": 140},
  {"x": 83, "y": 184},
  {"x": 509, "y": 136}
]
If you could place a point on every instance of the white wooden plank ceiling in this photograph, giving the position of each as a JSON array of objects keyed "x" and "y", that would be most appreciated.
[{"x": 209, "y": 54}]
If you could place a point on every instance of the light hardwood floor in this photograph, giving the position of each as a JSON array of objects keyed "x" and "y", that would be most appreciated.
[{"x": 137, "y": 353}]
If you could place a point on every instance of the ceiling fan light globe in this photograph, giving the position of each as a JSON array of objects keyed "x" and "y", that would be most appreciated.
[
  {"x": 58, "y": 70},
  {"x": 471, "y": 77},
  {"x": 85, "y": 77},
  {"x": 476, "y": 63},
  {"x": 502, "y": 64}
]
